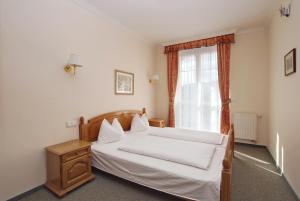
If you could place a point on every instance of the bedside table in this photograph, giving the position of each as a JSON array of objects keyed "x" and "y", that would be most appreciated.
[
  {"x": 68, "y": 166},
  {"x": 157, "y": 122}
]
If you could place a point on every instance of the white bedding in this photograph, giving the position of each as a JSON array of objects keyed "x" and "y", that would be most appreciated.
[
  {"x": 173, "y": 178},
  {"x": 188, "y": 135},
  {"x": 187, "y": 153}
]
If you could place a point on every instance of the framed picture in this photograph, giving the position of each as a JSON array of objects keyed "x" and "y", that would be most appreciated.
[
  {"x": 290, "y": 62},
  {"x": 124, "y": 83}
]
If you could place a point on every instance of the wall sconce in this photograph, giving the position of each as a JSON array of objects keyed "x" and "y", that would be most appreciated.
[
  {"x": 154, "y": 77},
  {"x": 73, "y": 63},
  {"x": 285, "y": 9}
]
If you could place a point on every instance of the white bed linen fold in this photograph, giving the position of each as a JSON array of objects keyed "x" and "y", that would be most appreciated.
[
  {"x": 187, "y": 153},
  {"x": 188, "y": 135}
]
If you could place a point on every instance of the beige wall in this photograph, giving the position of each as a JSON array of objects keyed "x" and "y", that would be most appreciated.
[
  {"x": 285, "y": 97},
  {"x": 161, "y": 88},
  {"x": 249, "y": 78},
  {"x": 37, "y": 97}
]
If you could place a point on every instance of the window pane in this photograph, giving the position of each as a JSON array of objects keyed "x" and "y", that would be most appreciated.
[{"x": 197, "y": 101}]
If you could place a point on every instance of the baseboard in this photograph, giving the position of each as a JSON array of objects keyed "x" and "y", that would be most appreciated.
[
  {"x": 251, "y": 145},
  {"x": 249, "y": 142},
  {"x": 22, "y": 195},
  {"x": 287, "y": 181}
]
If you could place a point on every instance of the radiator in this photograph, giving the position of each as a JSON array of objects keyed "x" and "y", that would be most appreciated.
[{"x": 245, "y": 126}]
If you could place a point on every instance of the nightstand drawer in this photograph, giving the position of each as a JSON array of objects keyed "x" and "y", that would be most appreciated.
[
  {"x": 76, "y": 170},
  {"x": 75, "y": 154},
  {"x": 157, "y": 122}
]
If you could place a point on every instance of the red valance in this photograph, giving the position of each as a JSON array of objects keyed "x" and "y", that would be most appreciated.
[{"x": 224, "y": 39}]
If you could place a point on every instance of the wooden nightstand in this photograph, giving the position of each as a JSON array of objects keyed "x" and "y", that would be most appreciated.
[
  {"x": 157, "y": 122},
  {"x": 68, "y": 166}
]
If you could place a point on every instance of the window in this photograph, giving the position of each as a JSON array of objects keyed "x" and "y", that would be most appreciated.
[{"x": 197, "y": 101}]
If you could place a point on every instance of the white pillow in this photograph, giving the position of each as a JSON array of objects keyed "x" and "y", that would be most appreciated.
[
  {"x": 144, "y": 118},
  {"x": 137, "y": 124},
  {"x": 116, "y": 124},
  {"x": 108, "y": 134}
]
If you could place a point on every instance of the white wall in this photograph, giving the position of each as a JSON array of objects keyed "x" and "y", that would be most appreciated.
[
  {"x": 284, "y": 96},
  {"x": 249, "y": 78},
  {"x": 37, "y": 97}
]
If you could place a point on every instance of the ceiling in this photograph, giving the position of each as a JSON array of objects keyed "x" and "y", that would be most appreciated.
[{"x": 169, "y": 20}]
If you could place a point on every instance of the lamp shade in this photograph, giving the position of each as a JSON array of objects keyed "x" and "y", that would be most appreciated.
[{"x": 74, "y": 59}]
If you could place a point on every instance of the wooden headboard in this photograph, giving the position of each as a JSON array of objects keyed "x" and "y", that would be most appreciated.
[{"x": 89, "y": 131}]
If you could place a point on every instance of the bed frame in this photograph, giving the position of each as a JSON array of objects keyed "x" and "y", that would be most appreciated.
[{"x": 89, "y": 132}]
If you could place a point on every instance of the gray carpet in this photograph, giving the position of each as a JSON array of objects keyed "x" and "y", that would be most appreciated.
[{"x": 255, "y": 178}]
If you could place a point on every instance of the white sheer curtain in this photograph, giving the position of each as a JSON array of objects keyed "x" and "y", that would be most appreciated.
[{"x": 197, "y": 100}]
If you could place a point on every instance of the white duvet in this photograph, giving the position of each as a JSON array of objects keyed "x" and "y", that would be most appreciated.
[
  {"x": 197, "y": 155},
  {"x": 188, "y": 135},
  {"x": 181, "y": 180}
]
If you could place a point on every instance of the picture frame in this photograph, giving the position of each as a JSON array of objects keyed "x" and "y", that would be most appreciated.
[
  {"x": 124, "y": 83},
  {"x": 290, "y": 62}
]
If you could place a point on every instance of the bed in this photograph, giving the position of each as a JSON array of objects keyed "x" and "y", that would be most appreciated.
[{"x": 179, "y": 180}]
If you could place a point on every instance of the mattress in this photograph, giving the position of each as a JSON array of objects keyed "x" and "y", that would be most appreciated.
[{"x": 173, "y": 178}]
